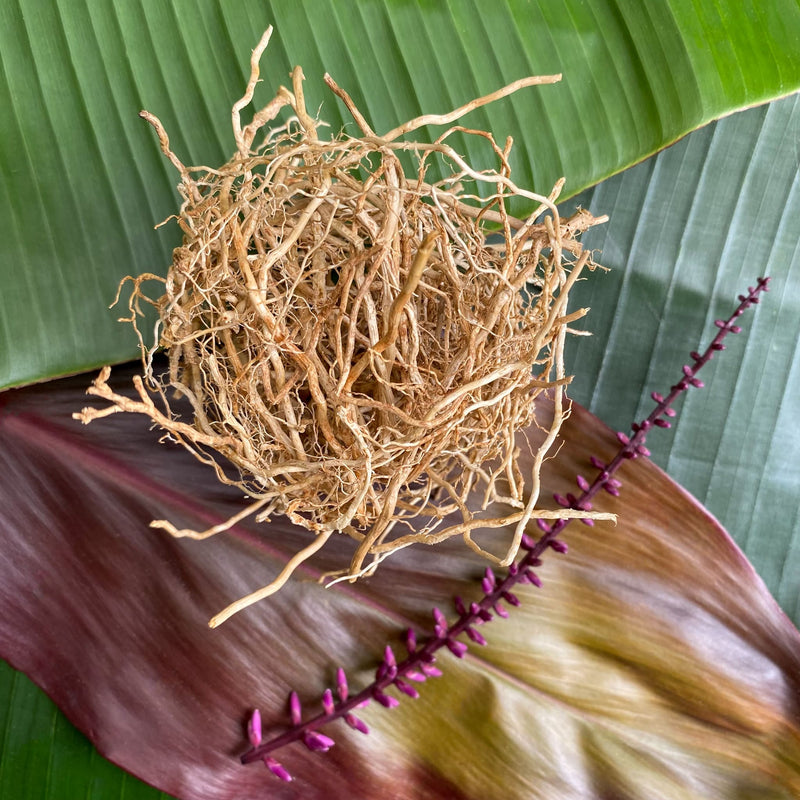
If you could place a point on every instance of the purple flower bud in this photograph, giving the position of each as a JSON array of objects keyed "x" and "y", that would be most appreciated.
[
  {"x": 501, "y": 611},
  {"x": 411, "y": 641},
  {"x": 407, "y": 689},
  {"x": 356, "y": 724},
  {"x": 533, "y": 578},
  {"x": 527, "y": 542},
  {"x": 583, "y": 484},
  {"x": 561, "y": 500},
  {"x": 440, "y": 631},
  {"x": 459, "y": 606},
  {"x": 413, "y": 675},
  {"x": 295, "y": 709},
  {"x": 596, "y": 462},
  {"x": 543, "y": 525},
  {"x": 341, "y": 684},
  {"x": 736, "y": 329},
  {"x": 327, "y": 701},
  {"x": 695, "y": 356},
  {"x": 642, "y": 450},
  {"x": 657, "y": 397},
  {"x": 687, "y": 371},
  {"x": 623, "y": 437},
  {"x": 439, "y": 618},
  {"x": 430, "y": 670},
  {"x": 662, "y": 423},
  {"x": 278, "y": 770},
  {"x": 487, "y": 586},
  {"x": 388, "y": 657},
  {"x": 481, "y": 613},
  {"x": 254, "y": 728},
  {"x": 589, "y": 522},
  {"x": 697, "y": 383},
  {"x": 458, "y": 649},
  {"x": 317, "y": 742},
  {"x": 476, "y": 637},
  {"x": 670, "y": 412},
  {"x": 386, "y": 700},
  {"x": 612, "y": 490},
  {"x": 512, "y": 598},
  {"x": 513, "y": 569},
  {"x": 559, "y": 546},
  {"x": 720, "y": 323}
]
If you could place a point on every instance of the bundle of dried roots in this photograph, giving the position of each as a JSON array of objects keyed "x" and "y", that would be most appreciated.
[{"x": 361, "y": 344}]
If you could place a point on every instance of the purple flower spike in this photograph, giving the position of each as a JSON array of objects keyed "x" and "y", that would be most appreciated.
[
  {"x": 458, "y": 649},
  {"x": 317, "y": 742},
  {"x": 356, "y": 724},
  {"x": 476, "y": 637},
  {"x": 254, "y": 728},
  {"x": 277, "y": 769},
  {"x": 341, "y": 684},
  {"x": 386, "y": 700},
  {"x": 407, "y": 689},
  {"x": 295, "y": 709},
  {"x": 418, "y": 666}
]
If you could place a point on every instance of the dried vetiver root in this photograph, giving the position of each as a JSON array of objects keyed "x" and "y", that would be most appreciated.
[
  {"x": 360, "y": 344},
  {"x": 418, "y": 665}
]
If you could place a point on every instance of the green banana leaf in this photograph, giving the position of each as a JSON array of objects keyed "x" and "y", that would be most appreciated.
[
  {"x": 84, "y": 181},
  {"x": 83, "y": 184}
]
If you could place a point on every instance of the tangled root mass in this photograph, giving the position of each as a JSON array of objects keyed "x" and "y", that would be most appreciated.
[{"x": 363, "y": 345}]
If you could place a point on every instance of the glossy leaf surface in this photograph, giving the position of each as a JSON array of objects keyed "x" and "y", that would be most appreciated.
[
  {"x": 653, "y": 662},
  {"x": 83, "y": 181}
]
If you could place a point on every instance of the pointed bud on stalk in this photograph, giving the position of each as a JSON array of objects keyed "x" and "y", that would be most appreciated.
[
  {"x": 356, "y": 724},
  {"x": 327, "y": 702},
  {"x": 254, "y": 728},
  {"x": 341, "y": 684},
  {"x": 386, "y": 700},
  {"x": 317, "y": 742},
  {"x": 407, "y": 689},
  {"x": 476, "y": 637},
  {"x": 277, "y": 769},
  {"x": 295, "y": 709},
  {"x": 458, "y": 649}
]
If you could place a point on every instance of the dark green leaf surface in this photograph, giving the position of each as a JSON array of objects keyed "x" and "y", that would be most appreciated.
[
  {"x": 82, "y": 182},
  {"x": 689, "y": 229}
]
